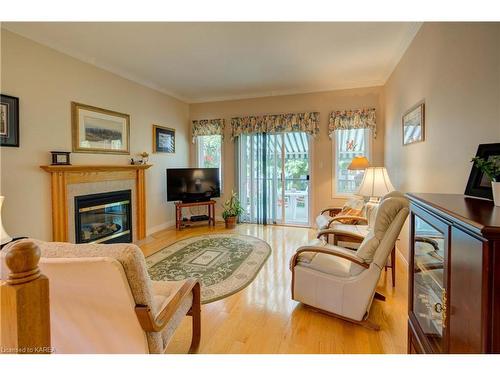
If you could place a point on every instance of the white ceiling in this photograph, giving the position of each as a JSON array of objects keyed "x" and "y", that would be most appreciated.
[{"x": 198, "y": 62}]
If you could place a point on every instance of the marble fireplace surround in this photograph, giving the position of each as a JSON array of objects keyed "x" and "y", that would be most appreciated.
[{"x": 68, "y": 181}]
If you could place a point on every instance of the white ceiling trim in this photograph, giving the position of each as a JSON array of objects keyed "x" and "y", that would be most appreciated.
[{"x": 353, "y": 85}]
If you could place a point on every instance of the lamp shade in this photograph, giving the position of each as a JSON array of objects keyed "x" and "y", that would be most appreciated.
[
  {"x": 376, "y": 183},
  {"x": 358, "y": 163},
  {"x": 198, "y": 174}
]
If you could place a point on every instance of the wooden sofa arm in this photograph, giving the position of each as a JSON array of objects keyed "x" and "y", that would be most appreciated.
[
  {"x": 339, "y": 252},
  {"x": 150, "y": 323},
  {"x": 351, "y": 237},
  {"x": 332, "y": 211},
  {"x": 357, "y": 220}
]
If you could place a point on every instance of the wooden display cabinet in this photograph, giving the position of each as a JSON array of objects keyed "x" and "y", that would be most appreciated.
[{"x": 454, "y": 275}]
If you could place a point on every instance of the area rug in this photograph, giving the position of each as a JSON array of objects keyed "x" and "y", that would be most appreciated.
[{"x": 225, "y": 263}]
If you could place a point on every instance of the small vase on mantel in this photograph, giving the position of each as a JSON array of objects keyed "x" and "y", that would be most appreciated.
[{"x": 495, "y": 187}]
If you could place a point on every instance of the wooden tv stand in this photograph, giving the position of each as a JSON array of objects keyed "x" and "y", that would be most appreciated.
[{"x": 179, "y": 223}]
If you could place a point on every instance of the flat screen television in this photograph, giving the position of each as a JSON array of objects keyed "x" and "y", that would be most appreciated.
[{"x": 192, "y": 184}]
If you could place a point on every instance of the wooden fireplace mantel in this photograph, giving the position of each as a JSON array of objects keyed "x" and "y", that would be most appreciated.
[{"x": 64, "y": 175}]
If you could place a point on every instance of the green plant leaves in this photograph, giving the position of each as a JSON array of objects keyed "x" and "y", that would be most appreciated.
[{"x": 490, "y": 167}]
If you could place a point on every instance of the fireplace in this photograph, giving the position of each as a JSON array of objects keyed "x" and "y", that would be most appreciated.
[{"x": 103, "y": 218}]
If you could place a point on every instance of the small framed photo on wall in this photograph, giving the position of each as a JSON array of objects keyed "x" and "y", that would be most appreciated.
[
  {"x": 163, "y": 139},
  {"x": 9, "y": 121},
  {"x": 414, "y": 124}
]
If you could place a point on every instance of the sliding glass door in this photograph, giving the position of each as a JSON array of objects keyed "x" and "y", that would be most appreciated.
[
  {"x": 296, "y": 178},
  {"x": 274, "y": 178}
]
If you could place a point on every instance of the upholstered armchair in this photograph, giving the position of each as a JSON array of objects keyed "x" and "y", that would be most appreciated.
[
  {"x": 103, "y": 301},
  {"x": 334, "y": 230},
  {"x": 342, "y": 282}
]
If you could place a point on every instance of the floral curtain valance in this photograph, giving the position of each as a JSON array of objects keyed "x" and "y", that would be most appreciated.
[
  {"x": 287, "y": 122},
  {"x": 353, "y": 119},
  {"x": 208, "y": 127}
]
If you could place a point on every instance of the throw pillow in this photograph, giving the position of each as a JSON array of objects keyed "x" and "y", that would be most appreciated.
[{"x": 353, "y": 207}]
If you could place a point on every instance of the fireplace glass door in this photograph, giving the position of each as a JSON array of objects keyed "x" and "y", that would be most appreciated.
[{"x": 103, "y": 218}]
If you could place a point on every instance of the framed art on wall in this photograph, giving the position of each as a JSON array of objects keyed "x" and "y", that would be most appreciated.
[
  {"x": 163, "y": 139},
  {"x": 414, "y": 124},
  {"x": 478, "y": 184},
  {"x": 9, "y": 121},
  {"x": 98, "y": 130}
]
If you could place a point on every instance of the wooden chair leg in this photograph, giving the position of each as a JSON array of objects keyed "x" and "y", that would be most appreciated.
[
  {"x": 379, "y": 296},
  {"x": 393, "y": 267},
  {"x": 195, "y": 313}
]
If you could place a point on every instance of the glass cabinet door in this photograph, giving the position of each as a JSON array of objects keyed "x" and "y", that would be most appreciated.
[{"x": 429, "y": 292}]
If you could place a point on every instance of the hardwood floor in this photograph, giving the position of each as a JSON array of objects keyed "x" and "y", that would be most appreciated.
[{"x": 262, "y": 318}]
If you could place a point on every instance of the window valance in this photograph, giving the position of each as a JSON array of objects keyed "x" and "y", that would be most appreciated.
[
  {"x": 287, "y": 122},
  {"x": 353, "y": 119},
  {"x": 208, "y": 127}
]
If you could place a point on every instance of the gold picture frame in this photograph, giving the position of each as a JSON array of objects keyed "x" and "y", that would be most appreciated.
[
  {"x": 413, "y": 122},
  {"x": 99, "y": 131},
  {"x": 163, "y": 139}
]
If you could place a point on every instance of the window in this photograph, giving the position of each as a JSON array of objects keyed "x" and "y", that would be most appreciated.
[
  {"x": 210, "y": 152},
  {"x": 348, "y": 143}
]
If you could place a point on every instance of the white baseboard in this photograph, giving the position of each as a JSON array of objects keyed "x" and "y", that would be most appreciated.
[
  {"x": 159, "y": 227},
  {"x": 170, "y": 224}
]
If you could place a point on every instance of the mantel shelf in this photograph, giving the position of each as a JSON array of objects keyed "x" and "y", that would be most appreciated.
[{"x": 93, "y": 168}]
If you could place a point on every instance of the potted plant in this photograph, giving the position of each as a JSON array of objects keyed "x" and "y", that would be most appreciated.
[
  {"x": 491, "y": 168},
  {"x": 232, "y": 209}
]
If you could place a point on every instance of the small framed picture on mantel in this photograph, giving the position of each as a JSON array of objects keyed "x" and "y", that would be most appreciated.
[{"x": 60, "y": 157}]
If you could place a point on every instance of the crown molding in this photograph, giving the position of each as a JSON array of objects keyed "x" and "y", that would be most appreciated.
[{"x": 263, "y": 94}]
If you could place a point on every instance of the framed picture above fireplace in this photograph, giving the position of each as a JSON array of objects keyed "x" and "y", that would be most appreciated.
[{"x": 98, "y": 130}]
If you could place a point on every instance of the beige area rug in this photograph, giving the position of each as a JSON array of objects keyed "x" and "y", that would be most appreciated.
[{"x": 225, "y": 263}]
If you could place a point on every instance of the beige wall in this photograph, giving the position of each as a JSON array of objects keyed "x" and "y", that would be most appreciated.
[
  {"x": 323, "y": 102},
  {"x": 46, "y": 82},
  {"x": 455, "y": 67}
]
